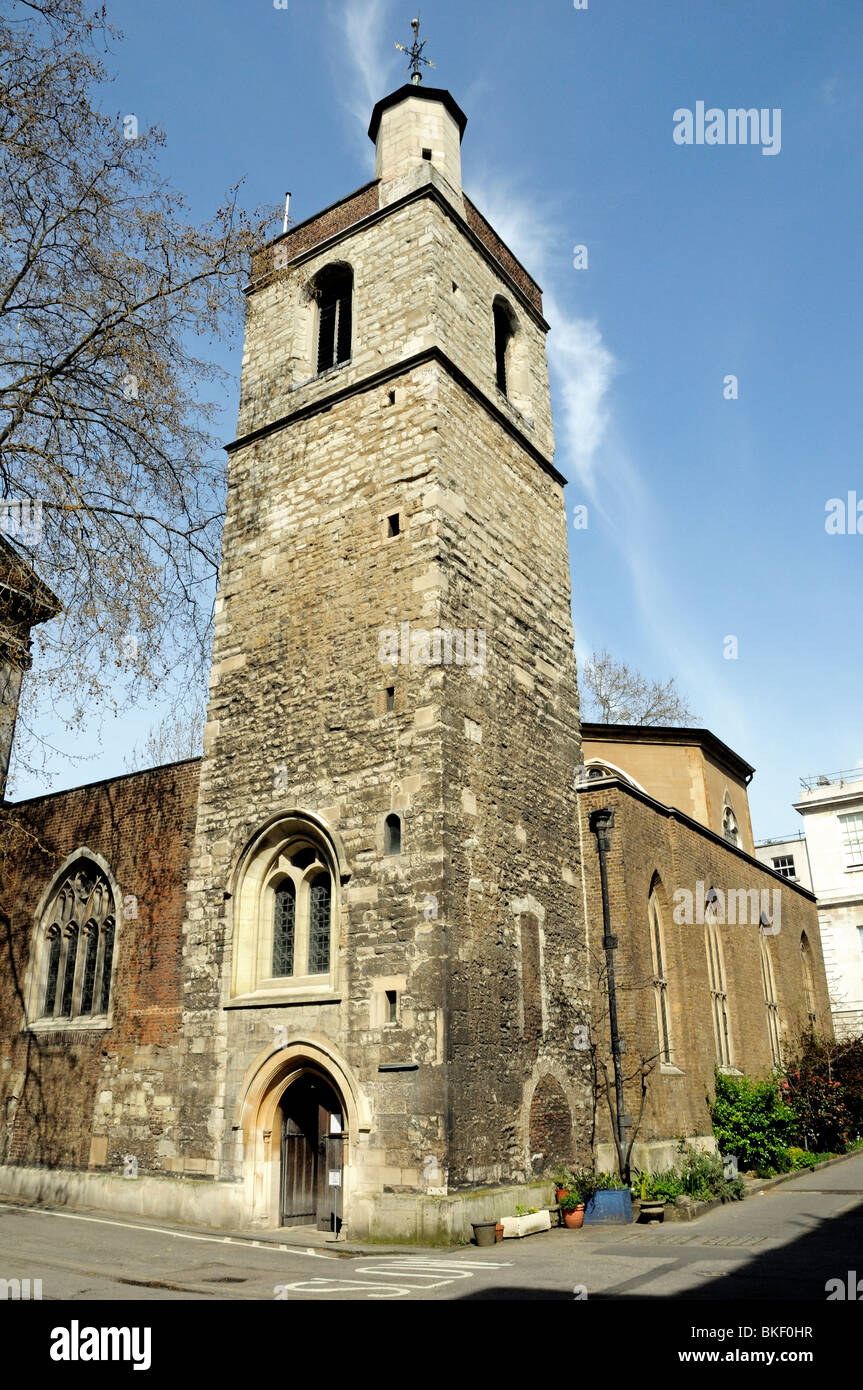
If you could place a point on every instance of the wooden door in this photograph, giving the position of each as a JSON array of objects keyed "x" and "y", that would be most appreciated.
[
  {"x": 331, "y": 1170},
  {"x": 299, "y": 1176},
  {"x": 312, "y": 1155}
]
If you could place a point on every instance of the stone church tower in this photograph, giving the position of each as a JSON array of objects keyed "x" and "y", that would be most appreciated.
[{"x": 384, "y": 951}]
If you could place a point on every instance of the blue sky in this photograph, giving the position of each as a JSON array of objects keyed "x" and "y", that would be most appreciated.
[{"x": 706, "y": 515}]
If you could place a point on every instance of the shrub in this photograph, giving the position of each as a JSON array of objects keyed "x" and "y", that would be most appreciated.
[
  {"x": 752, "y": 1121},
  {"x": 821, "y": 1117},
  {"x": 836, "y": 1061},
  {"x": 664, "y": 1186}
]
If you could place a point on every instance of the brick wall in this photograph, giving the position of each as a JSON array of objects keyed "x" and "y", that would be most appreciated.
[
  {"x": 75, "y": 1098},
  {"x": 648, "y": 840}
]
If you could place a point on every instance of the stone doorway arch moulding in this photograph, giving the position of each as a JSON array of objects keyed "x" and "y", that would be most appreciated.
[{"x": 257, "y": 1116}]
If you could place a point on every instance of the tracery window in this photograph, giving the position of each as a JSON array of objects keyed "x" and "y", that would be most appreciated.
[
  {"x": 285, "y": 914},
  {"x": 730, "y": 828},
  {"x": 74, "y": 949}
]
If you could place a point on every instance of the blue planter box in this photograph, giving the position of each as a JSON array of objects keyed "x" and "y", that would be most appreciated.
[{"x": 611, "y": 1208}]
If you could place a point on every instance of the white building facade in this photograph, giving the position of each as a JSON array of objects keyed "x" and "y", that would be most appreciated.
[{"x": 827, "y": 857}]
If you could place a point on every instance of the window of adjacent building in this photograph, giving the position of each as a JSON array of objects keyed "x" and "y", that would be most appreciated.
[
  {"x": 851, "y": 827},
  {"x": 860, "y": 935},
  {"x": 784, "y": 865},
  {"x": 718, "y": 986},
  {"x": 74, "y": 957},
  {"x": 771, "y": 1003},
  {"x": 808, "y": 979},
  {"x": 730, "y": 828},
  {"x": 660, "y": 981},
  {"x": 334, "y": 292}
]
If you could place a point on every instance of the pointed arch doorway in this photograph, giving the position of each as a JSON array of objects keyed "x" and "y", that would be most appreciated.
[{"x": 312, "y": 1153}]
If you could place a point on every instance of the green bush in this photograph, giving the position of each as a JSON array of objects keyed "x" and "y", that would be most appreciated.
[
  {"x": 664, "y": 1186},
  {"x": 833, "y": 1061},
  {"x": 703, "y": 1176},
  {"x": 752, "y": 1121}
]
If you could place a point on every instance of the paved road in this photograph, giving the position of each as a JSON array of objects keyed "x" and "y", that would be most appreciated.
[{"x": 785, "y": 1244}]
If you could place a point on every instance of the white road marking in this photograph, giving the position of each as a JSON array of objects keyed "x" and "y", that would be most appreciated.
[
  {"x": 414, "y": 1274},
  {"x": 177, "y": 1235}
]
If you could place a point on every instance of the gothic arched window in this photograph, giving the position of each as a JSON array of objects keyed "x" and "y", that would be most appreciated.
[
  {"x": 808, "y": 980},
  {"x": 333, "y": 289},
  {"x": 286, "y": 904},
  {"x": 717, "y": 983},
  {"x": 73, "y": 960},
  {"x": 660, "y": 980},
  {"x": 771, "y": 1003}
]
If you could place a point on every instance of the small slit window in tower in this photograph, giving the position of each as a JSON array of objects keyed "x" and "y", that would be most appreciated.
[
  {"x": 392, "y": 835},
  {"x": 394, "y": 525},
  {"x": 427, "y": 154},
  {"x": 392, "y": 397},
  {"x": 392, "y": 1006},
  {"x": 391, "y": 698},
  {"x": 503, "y": 335},
  {"x": 334, "y": 288}
]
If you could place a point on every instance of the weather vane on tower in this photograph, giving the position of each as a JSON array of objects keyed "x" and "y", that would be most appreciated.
[{"x": 415, "y": 53}]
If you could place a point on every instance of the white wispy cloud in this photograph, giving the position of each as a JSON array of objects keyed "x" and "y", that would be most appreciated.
[
  {"x": 582, "y": 364},
  {"x": 366, "y": 60}
]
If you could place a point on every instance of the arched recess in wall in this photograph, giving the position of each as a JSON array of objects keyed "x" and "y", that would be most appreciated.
[{"x": 549, "y": 1125}]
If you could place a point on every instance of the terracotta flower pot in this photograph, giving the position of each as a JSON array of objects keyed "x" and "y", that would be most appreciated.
[
  {"x": 498, "y": 1232},
  {"x": 560, "y": 1193},
  {"x": 574, "y": 1219}
]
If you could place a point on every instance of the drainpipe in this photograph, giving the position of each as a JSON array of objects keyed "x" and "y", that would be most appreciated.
[{"x": 601, "y": 823}]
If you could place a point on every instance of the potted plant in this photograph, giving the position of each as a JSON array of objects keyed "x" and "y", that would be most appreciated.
[
  {"x": 651, "y": 1207},
  {"x": 610, "y": 1203},
  {"x": 562, "y": 1182},
  {"x": 573, "y": 1211}
]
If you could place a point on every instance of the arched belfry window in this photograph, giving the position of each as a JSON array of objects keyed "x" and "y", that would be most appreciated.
[
  {"x": 333, "y": 288},
  {"x": 286, "y": 907},
  {"x": 73, "y": 962},
  {"x": 504, "y": 333}
]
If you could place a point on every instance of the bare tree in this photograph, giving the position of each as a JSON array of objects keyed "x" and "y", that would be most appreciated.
[
  {"x": 615, "y": 693},
  {"x": 635, "y": 1072},
  {"x": 179, "y": 735},
  {"x": 110, "y": 298}
]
